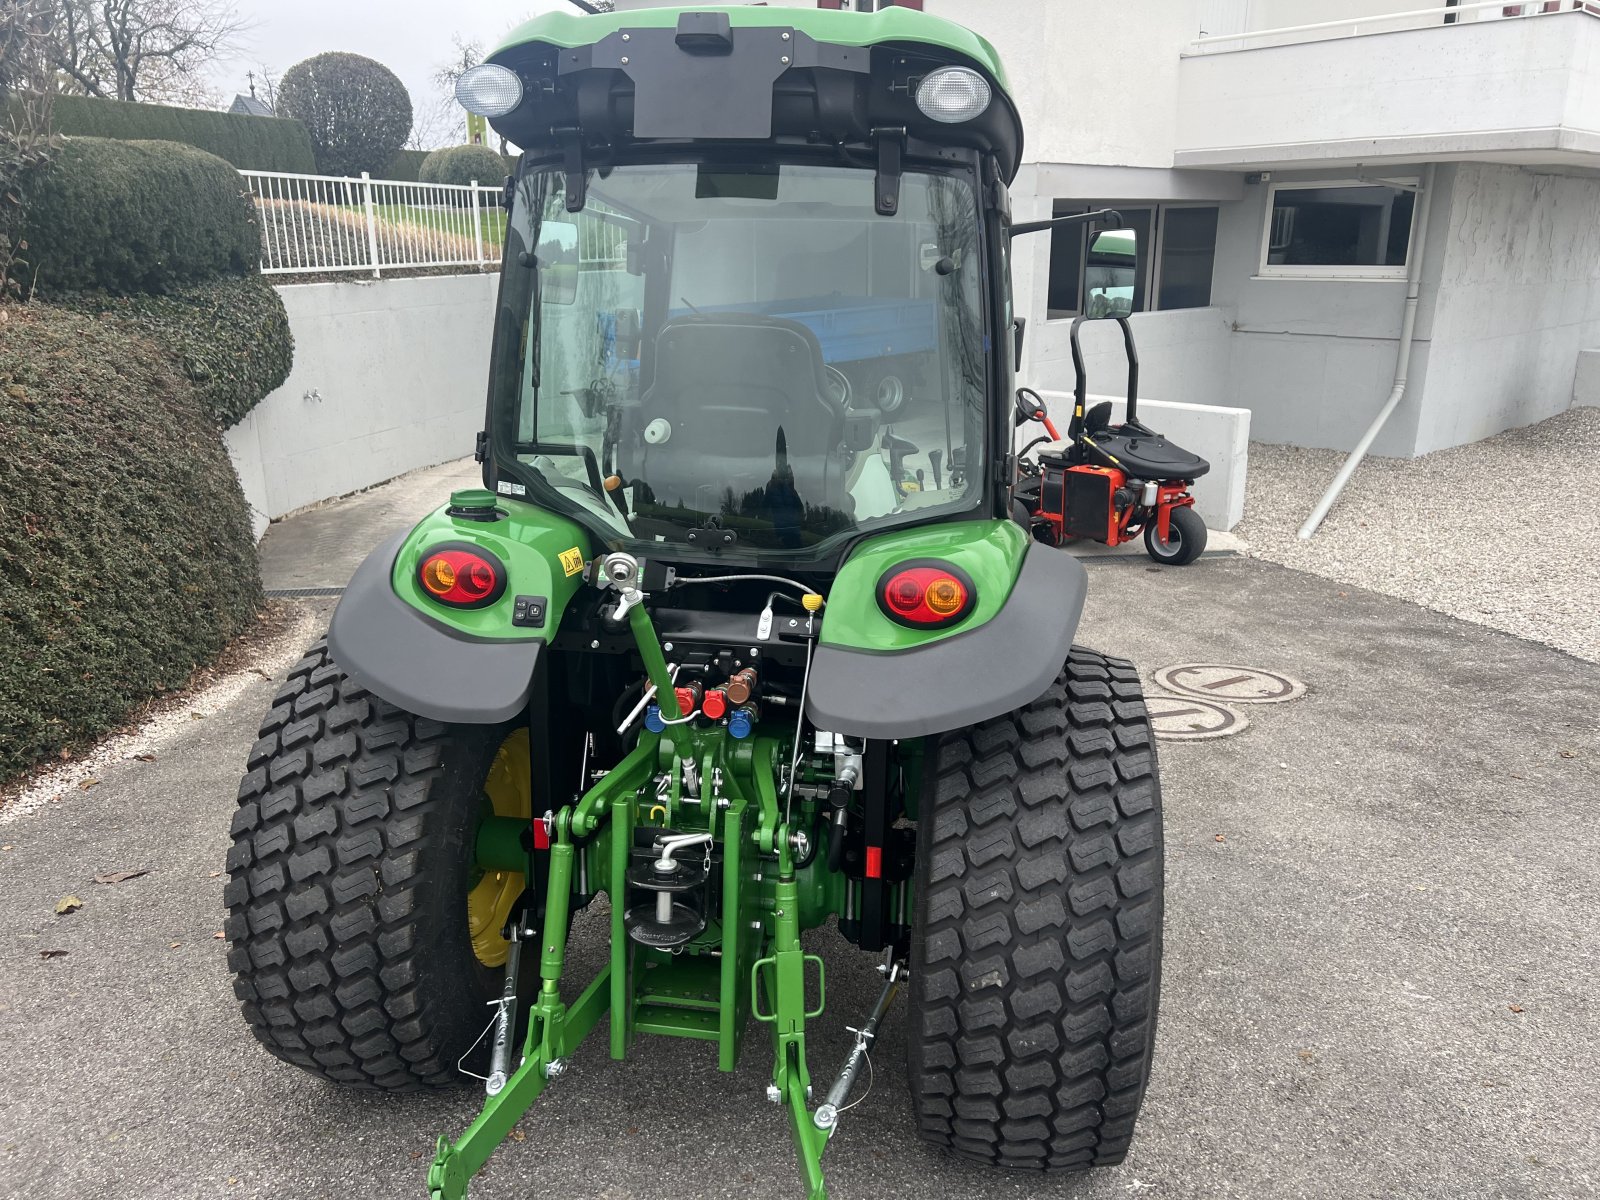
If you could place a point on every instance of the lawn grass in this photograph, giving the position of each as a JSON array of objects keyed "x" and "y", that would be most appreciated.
[{"x": 458, "y": 221}]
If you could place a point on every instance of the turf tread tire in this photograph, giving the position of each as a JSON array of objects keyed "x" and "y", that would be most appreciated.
[
  {"x": 1037, "y": 953},
  {"x": 347, "y": 885}
]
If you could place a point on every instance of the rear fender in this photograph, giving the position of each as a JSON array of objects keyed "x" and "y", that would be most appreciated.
[
  {"x": 460, "y": 666},
  {"x": 874, "y": 678}
]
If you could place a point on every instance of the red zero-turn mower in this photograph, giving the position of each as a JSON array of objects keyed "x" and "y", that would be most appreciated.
[{"x": 1109, "y": 483}]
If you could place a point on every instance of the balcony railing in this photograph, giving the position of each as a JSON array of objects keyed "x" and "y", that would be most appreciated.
[{"x": 1444, "y": 16}]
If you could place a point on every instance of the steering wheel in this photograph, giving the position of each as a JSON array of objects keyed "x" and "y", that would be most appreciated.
[{"x": 1031, "y": 407}]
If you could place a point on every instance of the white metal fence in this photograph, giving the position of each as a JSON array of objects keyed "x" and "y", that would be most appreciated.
[{"x": 312, "y": 224}]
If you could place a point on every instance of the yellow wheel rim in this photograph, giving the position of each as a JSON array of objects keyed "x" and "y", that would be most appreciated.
[{"x": 508, "y": 792}]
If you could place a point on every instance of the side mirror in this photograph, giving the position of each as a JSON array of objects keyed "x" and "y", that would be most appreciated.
[
  {"x": 558, "y": 262},
  {"x": 1111, "y": 274}
]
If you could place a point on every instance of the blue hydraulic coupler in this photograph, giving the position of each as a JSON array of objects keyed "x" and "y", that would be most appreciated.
[
  {"x": 741, "y": 722},
  {"x": 652, "y": 719}
]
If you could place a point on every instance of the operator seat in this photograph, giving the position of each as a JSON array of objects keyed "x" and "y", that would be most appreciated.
[
  {"x": 1143, "y": 454},
  {"x": 734, "y": 388}
]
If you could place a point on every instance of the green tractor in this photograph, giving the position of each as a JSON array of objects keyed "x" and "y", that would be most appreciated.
[{"x": 722, "y": 638}]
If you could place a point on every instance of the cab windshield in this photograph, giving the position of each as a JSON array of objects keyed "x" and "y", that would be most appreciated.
[{"x": 748, "y": 361}]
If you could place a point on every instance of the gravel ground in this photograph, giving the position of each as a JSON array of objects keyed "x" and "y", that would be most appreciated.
[{"x": 1504, "y": 532}]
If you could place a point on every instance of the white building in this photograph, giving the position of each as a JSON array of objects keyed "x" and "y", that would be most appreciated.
[{"x": 1270, "y": 152}]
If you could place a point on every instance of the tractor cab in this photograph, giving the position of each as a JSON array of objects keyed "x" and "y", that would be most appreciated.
[{"x": 754, "y": 283}]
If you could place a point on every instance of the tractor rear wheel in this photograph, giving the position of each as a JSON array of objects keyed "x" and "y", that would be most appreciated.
[
  {"x": 1036, "y": 959},
  {"x": 364, "y": 940}
]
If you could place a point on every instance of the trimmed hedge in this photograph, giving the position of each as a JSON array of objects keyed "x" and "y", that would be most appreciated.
[
  {"x": 462, "y": 164},
  {"x": 137, "y": 217},
  {"x": 230, "y": 337},
  {"x": 356, "y": 110},
  {"x": 405, "y": 167},
  {"x": 252, "y": 143},
  {"x": 127, "y": 543}
]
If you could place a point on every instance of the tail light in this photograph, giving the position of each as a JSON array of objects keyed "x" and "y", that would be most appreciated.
[
  {"x": 926, "y": 594},
  {"x": 461, "y": 575}
]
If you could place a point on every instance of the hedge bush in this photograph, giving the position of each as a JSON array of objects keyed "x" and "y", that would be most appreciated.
[
  {"x": 229, "y": 337},
  {"x": 357, "y": 111},
  {"x": 137, "y": 217},
  {"x": 463, "y": 164},
  {"x": 406, "y": 166},
  {"x": 127, "y": 544},
  {"x": 254, "y": 143}
]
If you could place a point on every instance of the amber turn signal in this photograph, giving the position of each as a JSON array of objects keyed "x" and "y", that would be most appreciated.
[{"x": 462, "y": 576}]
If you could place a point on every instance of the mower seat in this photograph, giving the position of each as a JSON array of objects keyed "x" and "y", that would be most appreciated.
[{"x": 1144, "y": 455}]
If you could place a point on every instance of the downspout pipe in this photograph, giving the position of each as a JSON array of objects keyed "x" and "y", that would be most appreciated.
[{"x": 1402, "y": 363}]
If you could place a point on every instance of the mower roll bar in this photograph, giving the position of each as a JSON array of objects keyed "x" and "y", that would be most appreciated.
[{"x": 1080, "y": 391}]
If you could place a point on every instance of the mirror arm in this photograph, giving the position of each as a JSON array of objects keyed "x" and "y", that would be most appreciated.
[
  {"x": 886, "y": 189},
  {"x": 1109, "y": 217},
  {"x": 572, "y": 164}
]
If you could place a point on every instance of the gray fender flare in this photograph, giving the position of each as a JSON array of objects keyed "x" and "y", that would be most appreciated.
[
  {"x": 960, "y": 680},
  {"x": 422, "y": 665}
]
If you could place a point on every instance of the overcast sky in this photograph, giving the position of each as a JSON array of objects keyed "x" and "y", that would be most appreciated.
[{"x": 410, "y": 37}]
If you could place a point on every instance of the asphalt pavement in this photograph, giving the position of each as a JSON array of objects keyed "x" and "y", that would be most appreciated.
[{"x": 1381, "y": 976}]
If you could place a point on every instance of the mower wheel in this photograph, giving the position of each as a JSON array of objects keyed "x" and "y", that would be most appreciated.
[
  {"x": 1036, "y": 958},
  {"x": 350, "y": 870},
  {"x": 1186, "y": 538}
]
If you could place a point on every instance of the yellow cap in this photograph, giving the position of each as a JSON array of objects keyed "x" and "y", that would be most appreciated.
[{"x": 811, "y": 602}]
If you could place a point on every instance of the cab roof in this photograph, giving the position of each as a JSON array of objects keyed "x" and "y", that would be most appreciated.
[
  {"x": 801, "y": 80},
  {"x": 890, "y": 26}
]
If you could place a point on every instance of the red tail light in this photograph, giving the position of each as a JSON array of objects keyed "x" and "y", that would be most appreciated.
[
  {"x": 461, "y": 575},
  {"x": 926, "y": 594}
]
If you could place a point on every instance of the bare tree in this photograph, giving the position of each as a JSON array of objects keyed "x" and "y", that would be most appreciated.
[
  {"x": 27, "y": 87},
  {"x": 143, "y": 49},
  {"x": 467, "y": 54},
  {"x": 433, "y": 126},
  {"x": 442, "y": 121},
  {"x": 268, "y": 82}
]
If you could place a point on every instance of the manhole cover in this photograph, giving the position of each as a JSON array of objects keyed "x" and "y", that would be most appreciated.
[
  {"x": 1185, "y": 719},
  {"x": 1231, "y": 684}
]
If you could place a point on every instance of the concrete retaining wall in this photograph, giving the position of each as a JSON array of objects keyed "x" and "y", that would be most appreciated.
[
  {"x": 1518, "y": 299},
  {"x": 388, "y": 376},
  {"x": 1221, "y": 436},
  {"x": 1586, "y": 380}
]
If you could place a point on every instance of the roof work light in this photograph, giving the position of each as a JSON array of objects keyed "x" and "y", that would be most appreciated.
[
  {"x": 489, "y": 90},
  {"x": 952, "y": 95}
]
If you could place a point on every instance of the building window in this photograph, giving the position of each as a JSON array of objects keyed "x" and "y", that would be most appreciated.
[
  {"x": 1169, "y": 256},
  {"x": 1188, "y": 252},
  {"x": 1066, "y": 264},
  {"x": 1335, "y": 230}
]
